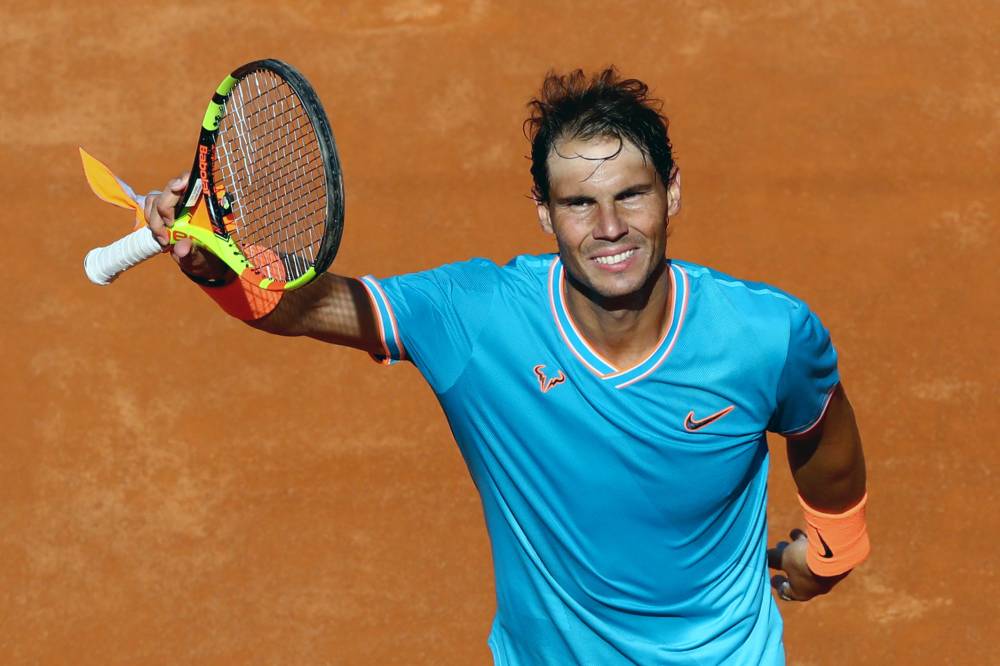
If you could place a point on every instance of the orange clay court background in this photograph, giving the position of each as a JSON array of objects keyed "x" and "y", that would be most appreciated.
[{"x": 176, "y": 488}]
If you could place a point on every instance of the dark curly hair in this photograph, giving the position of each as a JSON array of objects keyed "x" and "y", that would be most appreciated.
[{"x": 571, "y": 106}]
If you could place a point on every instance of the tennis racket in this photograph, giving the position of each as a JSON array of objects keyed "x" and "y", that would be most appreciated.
[{"x": 265, "y": 193}]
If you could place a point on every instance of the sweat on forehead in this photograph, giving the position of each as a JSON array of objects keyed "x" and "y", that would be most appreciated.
[
  {"x": 601, "y": 159},
  {"x": 600, "y": 148}
]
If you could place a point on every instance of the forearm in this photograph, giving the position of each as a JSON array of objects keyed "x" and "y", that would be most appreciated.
[
  {"x": 332, "y": 308},
  {"x": 829, "y": 469}
]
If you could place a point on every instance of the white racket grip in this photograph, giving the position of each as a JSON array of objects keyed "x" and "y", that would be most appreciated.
[{"x": 103, "y": 264}]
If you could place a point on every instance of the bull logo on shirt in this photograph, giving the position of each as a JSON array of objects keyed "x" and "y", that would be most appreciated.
[{"x": 546, "y": 383}]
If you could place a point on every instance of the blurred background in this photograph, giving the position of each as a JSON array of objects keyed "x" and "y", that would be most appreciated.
[{"x": 157, "y": 507}]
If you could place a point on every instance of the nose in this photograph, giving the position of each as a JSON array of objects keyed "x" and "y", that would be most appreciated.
[{"x": 610, "y": 226}]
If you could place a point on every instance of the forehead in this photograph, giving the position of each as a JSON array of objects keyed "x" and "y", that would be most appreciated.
[{"x": 602, "y": 162}]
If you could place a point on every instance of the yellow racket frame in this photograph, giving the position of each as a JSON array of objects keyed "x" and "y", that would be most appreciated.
[{"x": 194, "y": 222}]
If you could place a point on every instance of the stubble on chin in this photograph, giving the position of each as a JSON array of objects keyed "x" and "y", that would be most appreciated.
[{"x": 629, "y": 294}]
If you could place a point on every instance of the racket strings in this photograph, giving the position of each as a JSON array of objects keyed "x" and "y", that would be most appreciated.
[
  {"x": 270, "y": 162},
  {"x": 286, "y": 233}
]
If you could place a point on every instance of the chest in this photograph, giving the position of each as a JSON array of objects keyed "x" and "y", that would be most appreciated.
[{"x": 669, "y": 448}]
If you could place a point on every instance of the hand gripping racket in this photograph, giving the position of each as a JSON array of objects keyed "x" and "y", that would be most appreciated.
[{"x": 265, "y": 194}]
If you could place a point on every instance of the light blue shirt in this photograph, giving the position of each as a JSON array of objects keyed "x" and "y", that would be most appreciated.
[{"x": 625, "y": 506}]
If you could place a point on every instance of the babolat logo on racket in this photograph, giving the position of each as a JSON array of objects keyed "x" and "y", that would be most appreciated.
[{"x": 203, "y": 169}]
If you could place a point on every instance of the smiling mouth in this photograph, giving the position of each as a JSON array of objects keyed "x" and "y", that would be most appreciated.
[{"x": 615, "y": 258}]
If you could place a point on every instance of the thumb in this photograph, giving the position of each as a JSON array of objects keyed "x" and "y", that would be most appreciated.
[
  {"x": 178, "y": 184},
  {"x": 783, "y": 587},
  {"x": 182, "y": 248}
]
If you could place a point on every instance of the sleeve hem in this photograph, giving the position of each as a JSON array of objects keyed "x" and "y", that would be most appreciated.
[
  {"x": 810, "y": 427},
  {"x": 385, "y": 319}
]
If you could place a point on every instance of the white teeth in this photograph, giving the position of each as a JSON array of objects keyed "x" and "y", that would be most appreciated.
[{"x": 615, "y": 258}]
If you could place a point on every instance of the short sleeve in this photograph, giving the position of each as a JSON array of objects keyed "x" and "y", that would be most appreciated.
[
  {"x": 433, "y": 317},
  {"x": 809, "y": 375}
]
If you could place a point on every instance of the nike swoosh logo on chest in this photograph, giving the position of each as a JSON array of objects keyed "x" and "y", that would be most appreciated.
[{"x": 691, "y": 424}]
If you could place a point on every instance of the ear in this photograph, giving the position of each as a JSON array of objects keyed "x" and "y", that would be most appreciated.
[
  {"x": 544, "y": 218},
  {"x": 674, "y": 193}
]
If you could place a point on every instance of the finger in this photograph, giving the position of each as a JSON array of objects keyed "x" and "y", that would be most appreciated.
[
  {"x": 167, "y": 200},
  {"x": 154, "y": 221},
  {"x": 178, "y": 184},
  {"x": 798, "y": 534},
  {"x": 182, "y": 250},
  {"x": 774, "y": 554},
  {"x": 784, "y": 588},
  {"x": 149, "y": 205},
  {"x": 198, "y": 262}
]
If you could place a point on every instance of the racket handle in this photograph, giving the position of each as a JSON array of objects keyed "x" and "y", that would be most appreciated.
[{"x": 103, "y": 264}]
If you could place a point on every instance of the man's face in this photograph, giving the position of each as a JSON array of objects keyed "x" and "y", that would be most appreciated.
[{"x": 609, "y": 214}]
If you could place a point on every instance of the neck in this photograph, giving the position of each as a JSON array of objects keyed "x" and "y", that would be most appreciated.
[{"x": 623, "y": 329}]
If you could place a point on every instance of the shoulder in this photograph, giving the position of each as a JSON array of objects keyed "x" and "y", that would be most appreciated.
[
  {"x": 526, "y": 275},
  {"x": 527, "y": 272},
  {"x": 774, "y": 318},
  {"x": 475, "y": 275},
  {"x": 518, "y": 267},
  {"x": 473, "y": 282},
  {"x": 748, "y": 296},
  {"x": 529, "y": 266}
]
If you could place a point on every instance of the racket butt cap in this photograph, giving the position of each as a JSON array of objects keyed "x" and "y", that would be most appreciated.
[{"x": 93, "y": 274}]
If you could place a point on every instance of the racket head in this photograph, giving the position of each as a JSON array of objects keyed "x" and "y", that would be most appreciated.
[{"x": 268, "y": 174}]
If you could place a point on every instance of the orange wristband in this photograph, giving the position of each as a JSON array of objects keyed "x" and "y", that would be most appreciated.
[
  {"x": 838, "y": 542},
  {"x": 242, "y": 300}
]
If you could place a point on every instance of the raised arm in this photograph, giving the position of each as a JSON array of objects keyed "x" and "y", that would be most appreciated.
[
  {"x": 828, "y": 467},
  {"x": 331, "y": 308}
]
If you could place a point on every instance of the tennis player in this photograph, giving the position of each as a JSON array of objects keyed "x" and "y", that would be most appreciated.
[{"x": 611, "y": 404}]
